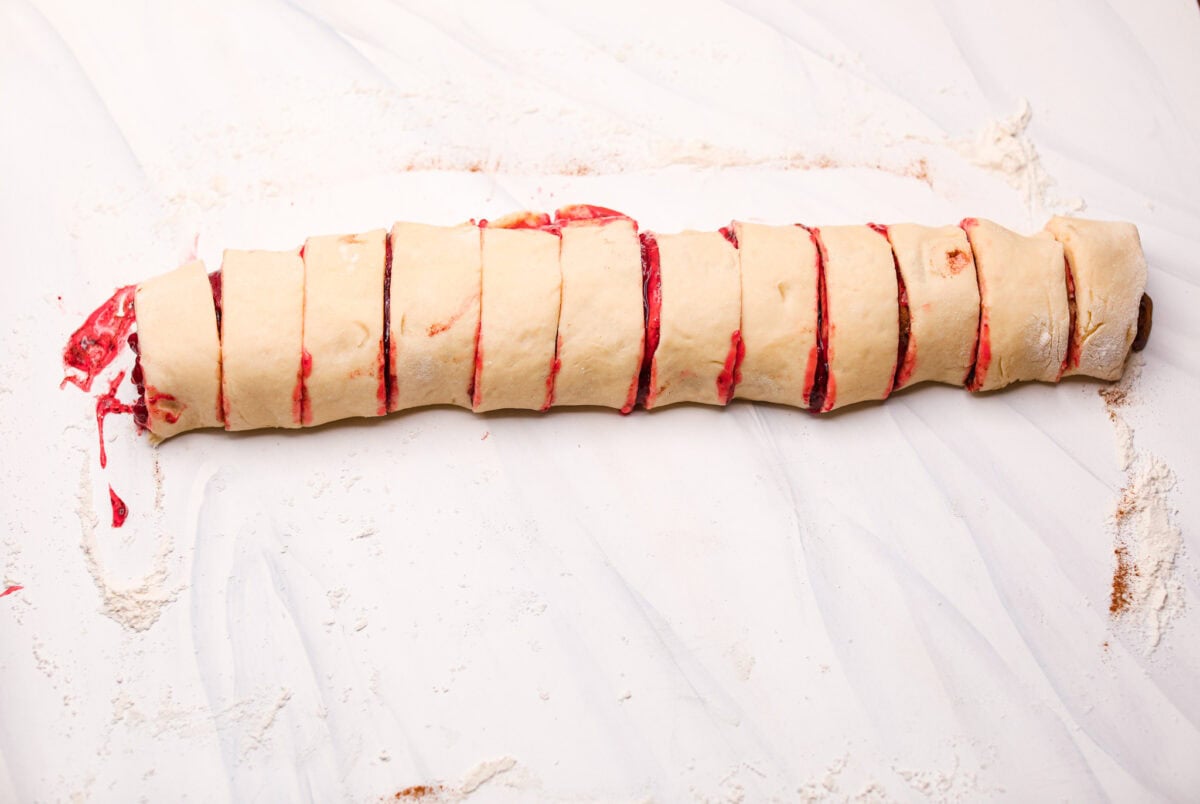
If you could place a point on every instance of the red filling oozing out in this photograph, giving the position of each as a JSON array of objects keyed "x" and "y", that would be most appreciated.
[
  {"x": 95, "y": 345},
  {"x": 977, "y": 374},
  {"x": 119, "y": 510},
  {"x": 587, "y": 212},
  {"x": 555, "y": 367},
  {"x": 906, "y": 353},
  {"x": 301, "y": 405},
  {"x": 729, "y": 234},
  {"x": 1071, "y": 358},
  {"x": 520, "y": 220},
  {"x": 823, "y": 391},
  {"x": 652, "y": 308},
  {"x": 107, "y": 403},
  {"x": 731, "y": 372},
  {"x": 385, "y": 341}
]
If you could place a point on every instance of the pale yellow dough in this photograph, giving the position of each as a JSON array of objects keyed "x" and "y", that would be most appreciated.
[
  {"x": 1109, "y": 269},
  {"x": 1023, "y": 299},
  {"x": 343, "y": 325},
  {"x": 522, "y": 293},
  {"x": 862, "y": 308},
  {"x": 601, "y": 328},
  {"x": 262, "y": 321},
  {"x": 435, "y": 284},
  {"x": 701, "y": 310},
  {"x": 779, "y": 313},
  {"x": 943, "y": 301},
  {"x": 180, "y": 350}
]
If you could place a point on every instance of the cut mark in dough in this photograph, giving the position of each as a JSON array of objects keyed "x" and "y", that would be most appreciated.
[
  {"x": 386, "y": 379},
  {"x": 652, "y": 305},
  {"x": 1071, "y": 358},
  {"x": 822, "y": 392},
  {"x": 983, "y": 339},
  {"x": 906, "y": 348}
]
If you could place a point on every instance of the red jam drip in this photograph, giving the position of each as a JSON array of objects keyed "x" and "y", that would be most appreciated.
[
  {"x": 385, "y": 342},
  {"x": 475, "y": 389},
  {"x": 977, "y": 374},
  {"x": 141, "y": 412},
  {"x": 731, "y": 372},
  {"x": 555, "y": 367},
  {"x": 301, "y": 404},
  {"x": 94, "y": 346},
  {"x": 652, "y": 308},
  {"x": 729, "y": 234},
  {"x": 119, "y": 510},
  {"x": 824, "y": 389},
  {"x": 107, "y": 404},
  {"x": 588, "y": 212},
  {"x": 11, "y": 589},
  {"x": 1071, "y": 358},
  {"x": 906, "y": 353}
]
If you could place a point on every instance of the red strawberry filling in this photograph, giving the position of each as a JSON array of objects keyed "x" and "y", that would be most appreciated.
[
  {"x": 823, "y": 390},
  {"x": 729, "y": 234},
  {"x": 555, "y": 367},
  {"x": 977, "y": 374},
  {"x": 906, "y": 349},
  {"x": 119, "y": 510},
  {"x": 385, "y": 342},
  {"x": 106, "y": 404},
  {"x": 587, "y": 212},
  {"x": 301, "y": 404},
  {"x": 94, "y": 346},
  {"x": 731, "y": 372},
  {"x": 1071, "y": 358},
  {"x": 652, "y": 307}
]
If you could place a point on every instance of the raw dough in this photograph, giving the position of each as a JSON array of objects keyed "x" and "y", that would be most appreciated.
[
  {"x": 343, "y": 326},
  {"x": 435, "y": 284},
  {"x": 1024, "y": 317},
  {"x": 262, "y": 321},
  {"x": 601, "y": 328},
  {"x": 701, "y": 314},
  {"x": 943, "y": 302},
  {"x": 180, "y": 350},
  {"x": 863, "y": 314},
  {"x": 522, "y": 293},
  {"x": 779, "y": 313},
  {"x": 1109, "y": 270}
]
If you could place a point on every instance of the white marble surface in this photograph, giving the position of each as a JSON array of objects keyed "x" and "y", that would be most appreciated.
[{"x": 900, "y": 602}]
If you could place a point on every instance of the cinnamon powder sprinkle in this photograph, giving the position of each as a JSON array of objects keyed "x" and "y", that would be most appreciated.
[
  {"x": 418, "y": 791},
  {"x": 1121, "y": 595}
]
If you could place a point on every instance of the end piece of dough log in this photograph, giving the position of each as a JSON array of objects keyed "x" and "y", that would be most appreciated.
[
  {"x": 179, "y": 350},
  {"x": 1109, "y": 270},
  {"x": 601, "y": 328},
  {"x": 779, "y": 272},
  {"x": 518, "y": 324},
  {"x": 863, "y": 314},
  {"x": 1024, "y": 320},
  {"x": 343, "y": 326},
  {"x": 434, "y": 312},
  {"x": 700, "y": 318},
  {"x": 262, "y": 321},
  {"x": 938, "y": 270}
]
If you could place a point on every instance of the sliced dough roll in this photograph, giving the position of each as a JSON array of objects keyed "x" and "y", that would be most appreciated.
[
  {"x": 262, "y": 324},
  {"x": 1024, "y": 318},
  {"x": 179, "y": 350},
  {"x": 943, "y": 302},
  {"x": 343, "y": 326},
  {"x": 1109, "y": 272},
  {"x": 779, "y": 271},
  {"x": 862, "y": 314},
  {"x": 601, "y": 328},
  {"x": 699, "y": 319},
  {"x": 518, "y": 322},
  {"x": 434, "y": 313}
]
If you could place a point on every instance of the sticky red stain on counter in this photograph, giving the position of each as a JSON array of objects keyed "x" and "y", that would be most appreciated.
[
  {"x": 555, "y": 367},
  {"x": 11, "y": 589},
  {"x": 652, "y": 307},
  {"x": 106, "y": 404},
  {"x": 94, "y": 346},
  {"x": 301, "y": 405},
  {"x": 119, "y": 510}
]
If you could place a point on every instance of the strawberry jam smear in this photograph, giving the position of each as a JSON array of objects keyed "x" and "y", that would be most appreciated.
[
  {"x": 106, "y": 405},
  {"x": 977, "y": 374},
  {"x": 94, "y": 346},
  {"x": 120, "y": 511},
  {"x": 652, "y": 308}
]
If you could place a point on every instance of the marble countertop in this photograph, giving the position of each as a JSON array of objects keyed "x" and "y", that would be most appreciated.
[{"x": 903, "y": 601}]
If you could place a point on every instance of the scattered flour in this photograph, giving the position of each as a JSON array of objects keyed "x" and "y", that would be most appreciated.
[
  {"x": 1146, "y": 594},
  {"x": 484, "y": 772},
  {"x": 1004, "y": 147}
]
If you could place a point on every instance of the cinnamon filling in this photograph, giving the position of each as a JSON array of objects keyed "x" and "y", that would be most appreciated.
[
  {"x": 1144, "y": 324},
  {"x": 384, "y": 394},
  {"x": 652, "y": 308},
  {"x": 977, "y": 373},
  {"x": 823, "y": 392}
]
